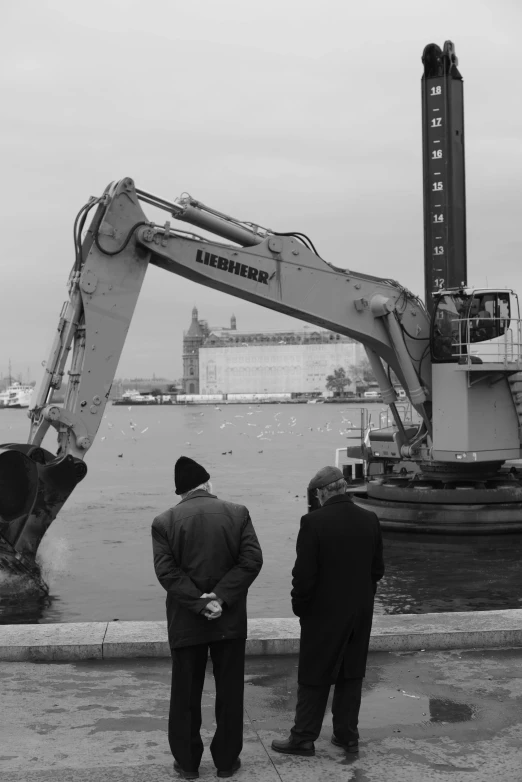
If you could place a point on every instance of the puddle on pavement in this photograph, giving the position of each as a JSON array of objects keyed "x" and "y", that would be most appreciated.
[
  {"x": 132, "y": 724},
  {"x": 450, "y": 711},
  {"x": 383, "y": 706}
]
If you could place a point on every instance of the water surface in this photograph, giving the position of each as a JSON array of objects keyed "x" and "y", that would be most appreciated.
[{"x": 97, "y": 555}]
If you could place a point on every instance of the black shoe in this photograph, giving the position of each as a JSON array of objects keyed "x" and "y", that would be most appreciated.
[
  {"x": 292, "y": 747},
  {"x": 348, "y": 746},
  {"x": 185, "y": 774},
  {"x": 229, "y": 772}
]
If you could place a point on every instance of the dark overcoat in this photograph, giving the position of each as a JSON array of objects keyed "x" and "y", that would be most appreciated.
[
  {"x": 339, "y": 562},
  {"x": 202, "y": 545}
]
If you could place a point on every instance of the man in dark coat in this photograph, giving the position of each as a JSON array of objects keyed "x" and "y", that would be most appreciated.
[
  {"x": 206, "y": 555},
  {"x": 339, "y": 562}
]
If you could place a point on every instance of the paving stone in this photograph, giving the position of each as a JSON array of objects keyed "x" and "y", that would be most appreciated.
[
  {"x": 405, "y": 632},
  {"x": 64, "y": 641},
  {"x": 136, "y": 639}
]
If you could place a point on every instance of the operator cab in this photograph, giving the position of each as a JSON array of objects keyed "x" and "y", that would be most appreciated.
[{"x": 476, "y": 326}]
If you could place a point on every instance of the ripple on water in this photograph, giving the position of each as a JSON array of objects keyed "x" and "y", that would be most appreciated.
[{"x": 94, "y": 580}]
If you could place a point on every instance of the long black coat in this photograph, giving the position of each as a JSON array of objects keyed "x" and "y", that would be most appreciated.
[
  {"x": 204, "y": 544},
  {"x": 339, "y": 561}
]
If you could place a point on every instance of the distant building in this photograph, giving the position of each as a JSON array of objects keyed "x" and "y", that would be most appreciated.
[
  {"x": 193, "y": 339},
  {"x": 228, "y": 361}
]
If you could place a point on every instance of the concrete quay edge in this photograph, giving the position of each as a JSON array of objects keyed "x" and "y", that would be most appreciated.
[{"x": 67, "y": 642}]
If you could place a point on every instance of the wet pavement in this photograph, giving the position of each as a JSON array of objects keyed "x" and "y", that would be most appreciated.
[{"x": 449, "y": 715}]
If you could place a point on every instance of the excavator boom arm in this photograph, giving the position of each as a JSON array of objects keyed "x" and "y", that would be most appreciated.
[{"x": 278, "y": 271}]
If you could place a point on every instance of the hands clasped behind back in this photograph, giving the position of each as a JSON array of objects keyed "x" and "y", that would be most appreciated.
[{"x": 212, "y": 610}]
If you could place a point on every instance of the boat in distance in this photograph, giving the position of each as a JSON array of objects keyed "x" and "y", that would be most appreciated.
[{"x": 17, "y": 395}]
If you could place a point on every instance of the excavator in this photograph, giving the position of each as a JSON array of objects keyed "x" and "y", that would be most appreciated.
[{"x": 457, "y": 354}]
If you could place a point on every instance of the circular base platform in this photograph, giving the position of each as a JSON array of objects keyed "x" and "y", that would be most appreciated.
[{"x": 443, "y": 518}]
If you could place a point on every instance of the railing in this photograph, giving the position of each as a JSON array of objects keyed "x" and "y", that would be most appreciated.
[
  {"x": 354, "y": 431},
  {"x": 407, "y": 414},
  {"x": 487, "y": 340}
]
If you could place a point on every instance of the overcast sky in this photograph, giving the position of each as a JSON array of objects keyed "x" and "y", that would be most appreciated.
[{"x": 294, "y": 114}]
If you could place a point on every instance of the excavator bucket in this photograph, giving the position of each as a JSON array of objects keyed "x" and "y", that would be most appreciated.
[{"x": 34, "y": 484}]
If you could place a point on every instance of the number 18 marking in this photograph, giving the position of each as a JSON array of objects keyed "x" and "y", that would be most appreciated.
[{"x": 436, "y": 90}]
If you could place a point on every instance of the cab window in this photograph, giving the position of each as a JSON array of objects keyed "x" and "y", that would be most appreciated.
[
  {"x": 489, "y": 316},
  {"x": 447, "y": 327}
]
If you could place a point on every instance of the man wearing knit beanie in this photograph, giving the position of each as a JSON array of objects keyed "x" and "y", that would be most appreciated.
[
  {"x": 188, "y": 474},
  {"x": 206, "y": 556}
]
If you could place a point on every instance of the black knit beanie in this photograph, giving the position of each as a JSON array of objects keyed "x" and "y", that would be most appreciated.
[{"x": 188, "y": 474}]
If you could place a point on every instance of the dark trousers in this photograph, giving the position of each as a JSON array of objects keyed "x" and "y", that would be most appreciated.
[
  {"x": 188, "y": 676},
  {"x": 311, "y": 706}
]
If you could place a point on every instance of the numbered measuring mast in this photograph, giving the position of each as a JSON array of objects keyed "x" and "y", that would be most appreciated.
[{"x": 445, "y": 264}]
